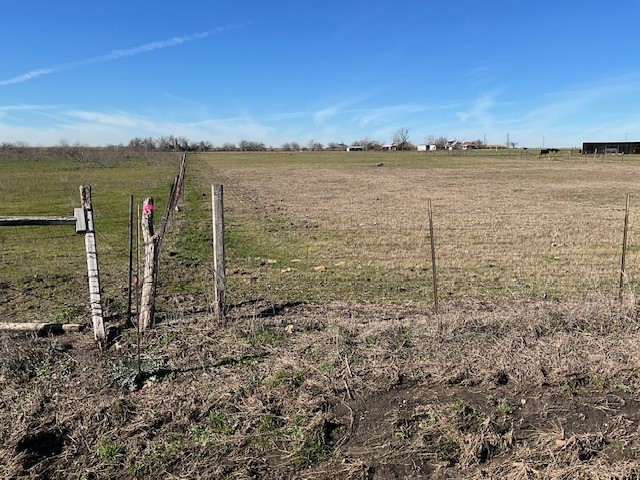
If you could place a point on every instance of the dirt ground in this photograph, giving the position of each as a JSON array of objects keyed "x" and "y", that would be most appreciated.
[{"x": 509, "y": 390}]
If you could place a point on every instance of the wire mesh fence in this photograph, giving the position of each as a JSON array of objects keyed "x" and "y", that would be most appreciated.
[
  {"x": 515, "y": 253},
  {"x": 44, "y": 273}
]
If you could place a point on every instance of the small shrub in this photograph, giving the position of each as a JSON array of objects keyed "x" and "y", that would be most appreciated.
[
  {"x": 504, "y": 409},
  {"x": 202, "y": 436},
  {"x": 443, "y": 447},
  {"x": 221, "y": 422},
  {"x": 131, "y": 375},
  {"x": 108, "y": 450}
]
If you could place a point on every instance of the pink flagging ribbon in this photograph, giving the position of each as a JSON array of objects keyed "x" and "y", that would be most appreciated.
[{"x": 147, "y": 209}]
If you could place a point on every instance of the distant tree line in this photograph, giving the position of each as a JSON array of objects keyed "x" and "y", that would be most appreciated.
[{"x": 171, "y": 143}]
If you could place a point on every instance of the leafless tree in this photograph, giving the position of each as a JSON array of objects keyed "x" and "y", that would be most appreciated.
[
  {"x": 335, "y": 146},
  {"x": 315, "y": 146},
  {"x": 249, "y": 146},
  {"x": 229, "y": 147},
  {"x": 401, "y": 139},
  {"x": 368, "y": 144},
  {"x": 441, "y": 142}
]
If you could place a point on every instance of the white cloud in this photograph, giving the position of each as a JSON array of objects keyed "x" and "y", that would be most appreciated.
[
  {"x": 102, "y": 128},
  {"x": 334, "y": 110},
  {"x": 25, "y": 108},
  {"x": 327, "y": 113},
  {"x": 480, "y": 110},
  {"x": 386, "y": 114},
  {"x": 117, "y": 119},
  {"x": 5, "y": 110}
]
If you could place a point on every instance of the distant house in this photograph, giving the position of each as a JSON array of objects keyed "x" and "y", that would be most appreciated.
[
  {"x": 467, "y": 145},
  {"x": 390, "y": 148},
  {"x": 355, "y": 148},
  {"x": 454, "y": 145}
]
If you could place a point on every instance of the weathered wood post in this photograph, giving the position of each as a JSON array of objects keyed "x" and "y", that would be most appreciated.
[
  {"x": 147, "y": 302},
  {"x": 433, "y": 262},
  {"x": 180, "y": 183},
  {"x": 92, "y": 266},
  {"x": 623, "y": 272},
  {"x": 129, "y": 288},
  {"x": 217, "y": 209}
]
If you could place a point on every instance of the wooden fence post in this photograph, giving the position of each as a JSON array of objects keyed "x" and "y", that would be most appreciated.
[
  {"x": 433, "y": 262},
  {"x": 624, "y": 249},
  {"x": 92, "y": 266},
  {"x": 217, "y": 209},
  {"x": 147, "y": 302},
  {"x": 129, "y": 288},
  {"x": 180, "y": 183}
]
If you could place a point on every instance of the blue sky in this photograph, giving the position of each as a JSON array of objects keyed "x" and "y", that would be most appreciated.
[{"x": 102, "y": 73}]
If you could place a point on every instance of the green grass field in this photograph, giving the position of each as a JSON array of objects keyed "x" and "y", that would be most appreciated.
[{"x": 43, "y": 269}]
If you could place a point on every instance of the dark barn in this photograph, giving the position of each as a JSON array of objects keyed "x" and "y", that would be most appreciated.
[{"x": 611, "y": 147}]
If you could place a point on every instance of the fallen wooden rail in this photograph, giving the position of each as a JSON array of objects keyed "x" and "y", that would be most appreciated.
[
  {"x": 42, "y": 328},
  {"x": 24, "y": 221}
]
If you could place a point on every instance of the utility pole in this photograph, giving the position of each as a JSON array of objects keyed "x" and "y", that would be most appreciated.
[{"x": 507, "y": 139}]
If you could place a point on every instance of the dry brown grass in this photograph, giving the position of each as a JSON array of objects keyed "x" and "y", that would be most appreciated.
[
  {"x": 502, "y": 384},
  {"x": 542, "y": 390},
  {"x": 515, "y": 227}
]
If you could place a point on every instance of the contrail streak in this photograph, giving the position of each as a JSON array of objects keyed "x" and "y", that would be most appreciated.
[{"x": 113, "y": 55}]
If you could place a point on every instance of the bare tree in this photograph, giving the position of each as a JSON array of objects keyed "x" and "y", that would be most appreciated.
[
  {"x": 291, "y": 147},
  {"x": 315, "y": 146},
  {"x": 250, "y": 146},
  {"x": 374, "y": 145},
  {"x": 368, "y": 144},
  {"x": 478, "y": 144},
  {"x": 229, "y": 147},
  {"x": 441, "y": 142},
  {"x": 335, "y": 146},
  {"x": 401, "y": 139}
]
